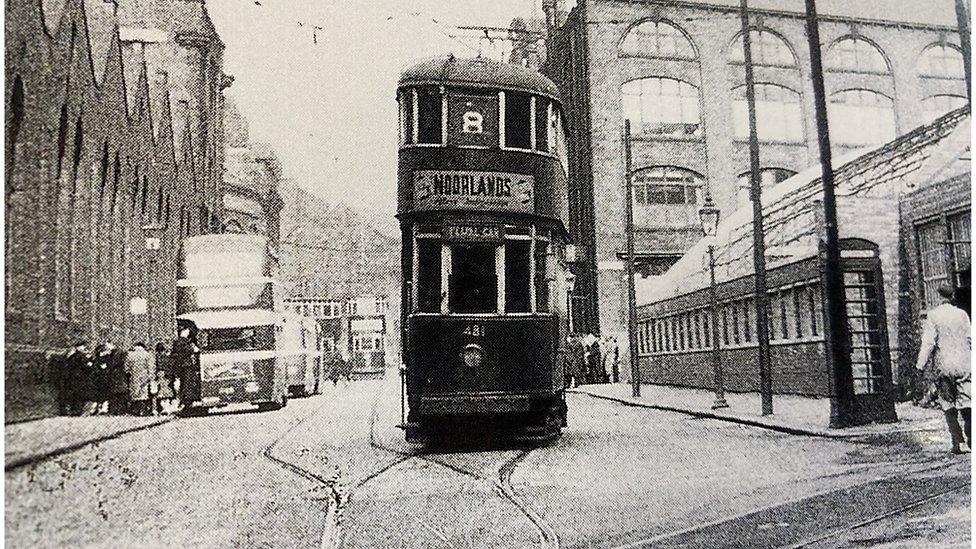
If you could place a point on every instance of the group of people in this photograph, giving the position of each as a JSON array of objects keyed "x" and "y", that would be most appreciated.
[
  {"x": 591, "y": 359},
  {"x": 108, "y": 380}
]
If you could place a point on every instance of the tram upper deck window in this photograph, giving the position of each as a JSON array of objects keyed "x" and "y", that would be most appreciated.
[
  {"x": 406, "y": 117},
  {"x": 429, "y": 276},
  {"x": 542, "y": 115},
  {"x": 430, "y": 116},
  {"x": 518, "y": 120},
  {"x": 473, "y": 284},
  {"x": 472, "y": 115}
]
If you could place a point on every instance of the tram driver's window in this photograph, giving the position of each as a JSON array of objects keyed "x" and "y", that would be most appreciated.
[
  {"x": 518, "y": 120},
  {"x": 429, "y": 113},
  {"x": 473, "y": 285},
  {"x": 517, "y": 296},
  {"x": 429, "y": 276}
]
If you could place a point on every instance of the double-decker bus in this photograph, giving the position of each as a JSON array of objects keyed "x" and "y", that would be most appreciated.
[
  {"x": 483, "y": 214},
  {"x": 226, "y": 294}
]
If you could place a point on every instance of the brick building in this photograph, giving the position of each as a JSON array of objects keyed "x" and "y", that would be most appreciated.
[
  {"x": 675, "y": 70},
  {"x": 908, "y": 200},
  {"x": 252, "y": 203},
  {"x": 112, "y": 119}
]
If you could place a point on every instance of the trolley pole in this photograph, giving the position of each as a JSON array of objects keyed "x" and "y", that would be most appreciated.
[
  {"x": 758, "y": 234},
  {"x": 962, "y": 21},
  {"x": 631, "y": 295},
  {"x": 833, "y": 278}
]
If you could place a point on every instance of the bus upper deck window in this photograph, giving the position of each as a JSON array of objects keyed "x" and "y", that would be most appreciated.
[
  {"x": 429, "y": 276},
  {"x": 518, "y": 120},
  {"x": 429, "y": 116},
  {"x": 542, "y": 124},
  {"x": 473, "y": 284}
]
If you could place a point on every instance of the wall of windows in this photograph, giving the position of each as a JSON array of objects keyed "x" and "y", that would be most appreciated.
[
  {"x": 768, "y": 50},
  {"x": 662, "y": 106},
  {"x": 779, "y": 116},
  {"x": 667, "y": 185},
  {"x": 941, "y": 61},
  {"x": 861, "y": 117},
  {"x": 796, "y": 315},
  {"x": 656, "y": 39}
]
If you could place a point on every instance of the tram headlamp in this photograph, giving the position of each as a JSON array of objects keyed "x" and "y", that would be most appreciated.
[{"x": 473, "y": 355}]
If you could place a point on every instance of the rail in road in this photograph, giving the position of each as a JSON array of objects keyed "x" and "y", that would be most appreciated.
[{"x": 500, "y": 479}]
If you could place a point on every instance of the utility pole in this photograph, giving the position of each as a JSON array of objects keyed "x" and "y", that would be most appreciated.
[
  {"x": 758, "y": 234},
  {"x": 962, "y": 20},
  {"x": 838, "y": 338},
  {"x": 631, "y": 296}
]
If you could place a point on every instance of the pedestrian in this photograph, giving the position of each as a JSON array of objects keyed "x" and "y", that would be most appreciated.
[
  {"x": 335, "y": 366},
  {"x": 183, "y": 358},
  {"x": 594, "y": 363},
  {"x": 75, "y": 379},
  {"x": 166, "y": 392},
  {"x": 100, "y": 390},
  {"x": 119, "y": 402},
  {"x": 577, "y": 353},
  {"x": 947, "y": 341},
  {"x": 140, "y": 369}
]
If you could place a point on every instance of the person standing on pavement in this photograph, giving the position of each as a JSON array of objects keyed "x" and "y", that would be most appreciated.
[
  {"x": 101, "y": 379},
  {"x": 164, "y": 380},
  {"x": 118, "y": 383},
  {"x": 71, "y": 373},
  {"x": 141, "y": 374},
  {"x": 947, "y": 340},
  {"x": 183, "y": 358}
]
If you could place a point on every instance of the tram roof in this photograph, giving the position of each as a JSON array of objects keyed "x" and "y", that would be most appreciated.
[{"x": 477, "y": 72}]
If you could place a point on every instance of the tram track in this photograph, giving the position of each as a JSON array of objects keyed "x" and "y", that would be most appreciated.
[{"x": 499, "y": 479}]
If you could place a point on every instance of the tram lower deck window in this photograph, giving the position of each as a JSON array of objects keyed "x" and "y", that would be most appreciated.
[
  {"x": 473, "y": 282},
  {"x": 429, "y": 276},
  {"x": 517, "y": 295}
]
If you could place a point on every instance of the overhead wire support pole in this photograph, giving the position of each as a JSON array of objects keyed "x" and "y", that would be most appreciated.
[
  {"x": 631, "y": 294},
  {"x": 758, "y": 234},
  {"x": 838, "y": 337},
  {"x": 962, "y": 21}
]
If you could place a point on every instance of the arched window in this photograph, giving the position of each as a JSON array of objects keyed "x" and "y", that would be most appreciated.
[
  {"x": 662, "y": 106},
  {"x": 62, "y": 136},
  {"x": 778, "y": 114},
  {"x": 16, "y": 118},
  {"x": 656, "y": 39},
  {"x": 935, "y": 106},
  {"x": 861, "y": 117},
  {"x": 667, "y": 185},
  {"x": 853, "y": 54},
  {"x": 941, "y": 61},
  {"x": 768, "y": 50}
]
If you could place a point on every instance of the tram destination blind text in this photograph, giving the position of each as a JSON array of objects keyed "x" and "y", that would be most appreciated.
[{"x": 498, "y": 191}]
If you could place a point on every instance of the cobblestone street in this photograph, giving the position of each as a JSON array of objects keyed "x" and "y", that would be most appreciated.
[{"x": 619, "y": 475}]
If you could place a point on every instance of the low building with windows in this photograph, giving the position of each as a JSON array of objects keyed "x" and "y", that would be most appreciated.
[
  {"x": 903, "y": 217},
  {"x": 675, "y": 71},
  {"x": 356, "y": 327}
]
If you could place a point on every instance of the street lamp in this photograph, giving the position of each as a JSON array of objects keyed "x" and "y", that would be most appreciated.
[{"x": 708, "y": 214}]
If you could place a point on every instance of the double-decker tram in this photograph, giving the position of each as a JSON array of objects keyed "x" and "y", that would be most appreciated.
[
  {"x": 225, "y": 294},
  {"x": 482, "y": 209}
]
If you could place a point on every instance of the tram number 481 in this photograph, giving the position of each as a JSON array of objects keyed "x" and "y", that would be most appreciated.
[{"x": 475, "y": 330}]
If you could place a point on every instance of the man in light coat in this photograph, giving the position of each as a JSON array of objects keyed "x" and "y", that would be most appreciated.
[
  {"x": 946, "y": 339},
  {"x": 141, "y": 367}
]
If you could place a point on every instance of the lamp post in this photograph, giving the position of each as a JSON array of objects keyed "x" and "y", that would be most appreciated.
[{"x": 708, "y": 214}]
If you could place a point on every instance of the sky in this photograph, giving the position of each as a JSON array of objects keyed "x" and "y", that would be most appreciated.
[{"x": 329, "y": 108}]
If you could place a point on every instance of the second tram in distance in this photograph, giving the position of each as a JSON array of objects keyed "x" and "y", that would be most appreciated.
[{"x": 482, "y": 192}]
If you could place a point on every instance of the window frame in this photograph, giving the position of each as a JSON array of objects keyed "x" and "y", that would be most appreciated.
[{"x": 645, "y": 129}]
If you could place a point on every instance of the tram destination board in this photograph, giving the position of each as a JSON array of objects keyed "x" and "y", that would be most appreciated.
[
  {"x": 467, "y": 190},
  {"x": 474, "y": 232}
]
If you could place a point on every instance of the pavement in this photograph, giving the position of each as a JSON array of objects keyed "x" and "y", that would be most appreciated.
[
  {"x": 33, "y": 441},
  {"x": 791, "y": 414}
]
